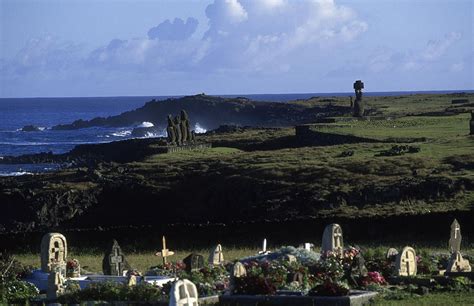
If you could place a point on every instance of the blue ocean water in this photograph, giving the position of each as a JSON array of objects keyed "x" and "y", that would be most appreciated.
[{"x": 15, "y": 113}]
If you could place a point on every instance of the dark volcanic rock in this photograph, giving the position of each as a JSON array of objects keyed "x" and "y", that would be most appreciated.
[
  {"x": 211, "y": 112},
  {"x": 30, "y": 128}
]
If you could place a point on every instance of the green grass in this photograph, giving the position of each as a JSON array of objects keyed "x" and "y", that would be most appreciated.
[{"x": 442, "y": 299}]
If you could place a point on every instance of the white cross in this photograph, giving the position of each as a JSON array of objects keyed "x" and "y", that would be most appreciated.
[{"x": 116, "y": 259}]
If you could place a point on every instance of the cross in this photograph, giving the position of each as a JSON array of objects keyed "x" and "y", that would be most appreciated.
[
  {"x": 164, "y": 252},
  {"x": 264, "y": 247},
  {"x": 56, "y": 250},
  {"x": 116, "y": 259},
  {"x": 407, "y": 262},
  {"x": 457, "y": 229},
  {"x": 337, "y": 239}
]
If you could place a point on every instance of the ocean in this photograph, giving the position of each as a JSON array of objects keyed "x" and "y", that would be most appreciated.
[{"x": 15, "y": 113}]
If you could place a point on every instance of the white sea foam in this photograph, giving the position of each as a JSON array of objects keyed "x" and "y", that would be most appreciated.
[
  {"x": 198, "y": 129},
  {"x": 145, "y": 124},
  {"x": 121, "y": 133},
  {"x": 16, "y": 173}
]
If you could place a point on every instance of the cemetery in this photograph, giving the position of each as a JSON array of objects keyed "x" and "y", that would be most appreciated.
[{"x": 337, "y": 274}]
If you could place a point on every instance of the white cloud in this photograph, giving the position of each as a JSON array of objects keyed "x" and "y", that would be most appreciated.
[
  {"x": 437, "y": 48},
  {"x": 176, "y": 30}
]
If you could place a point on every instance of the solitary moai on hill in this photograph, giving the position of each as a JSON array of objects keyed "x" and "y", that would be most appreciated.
[
  {"x": 472, "y": 122},
  {"x": 358, "y": 104}
]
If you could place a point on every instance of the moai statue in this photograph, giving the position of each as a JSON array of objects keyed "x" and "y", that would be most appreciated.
[
  {"x": 183, "y": 293},
  {"x": 179, "y": 135},
  {"x": 332, "y": 239},
  {"x": 358, "y": 104},
  {"x": 114, "y": 262},
  {"x": 455, "y": 237},
  {"x": 406, "y": 262},
  {"x": 55, "y": 285},
  {"x": 458, "y": 264},
  {"x": 171, "y": 130},
  {"x": 53, "y": 253},
  {"x": 472, "y": 123},
  {"x": 185, "y": 130},
  {"x": 216, "y": 257}
]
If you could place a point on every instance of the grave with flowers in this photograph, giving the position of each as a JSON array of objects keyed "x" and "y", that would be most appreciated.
[{"x": 288, "y": 275}]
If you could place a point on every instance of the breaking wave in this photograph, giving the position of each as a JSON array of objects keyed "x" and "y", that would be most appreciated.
[
  {"x": 145, "y": 124},
  {"x": 198, "y": 129}
]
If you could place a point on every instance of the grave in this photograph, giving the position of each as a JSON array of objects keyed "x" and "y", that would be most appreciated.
[
  {"x": 183, "y": 293},
  {"x": 355, "y": 297},
  {"x": 164, "y": 252},
  {"x": 53, "y": 253},
  {"x": 194, "y": 262},
  {"x": 55, "y": 285},
  {"x": 239, "y": 270},
  {"x": 458, "y": 264},
  {"x": 114, "y": 262},
  {"x": 264, "y": 248},
  {"x": 391, "y": 253},
  {"x": 406, "y": 262},
  {"x": 216, "y": 257},
  {"x": 332, "y": 239},
  {"x": 455, "y": 237}
]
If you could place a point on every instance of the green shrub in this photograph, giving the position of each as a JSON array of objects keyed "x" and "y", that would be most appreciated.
[{"x": 14, "y": 291}]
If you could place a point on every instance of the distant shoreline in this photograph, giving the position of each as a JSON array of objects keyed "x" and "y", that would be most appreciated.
[{"x": 271, "y": 97}]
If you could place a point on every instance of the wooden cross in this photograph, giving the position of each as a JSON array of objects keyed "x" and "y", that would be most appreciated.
[
  {"x": 116, "y": 259},
  {"x": 164, "y": 252},
  {"x": 264, "y": 247},
  {"x": 457, "y": 229}
]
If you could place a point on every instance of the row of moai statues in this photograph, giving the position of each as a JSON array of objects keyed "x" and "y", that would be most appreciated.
[
  {"x": 358, "y": 107},
  {"x": 179, "y": 131}
]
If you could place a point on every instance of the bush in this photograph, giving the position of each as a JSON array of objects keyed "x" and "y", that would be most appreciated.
[{"x": 14, "y": 291}]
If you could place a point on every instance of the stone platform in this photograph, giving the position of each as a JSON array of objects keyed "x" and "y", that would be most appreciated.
[{"x": 189, "y": 147}]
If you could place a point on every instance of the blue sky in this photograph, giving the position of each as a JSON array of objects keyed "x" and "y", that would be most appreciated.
[{"x": 165, "y": 47}]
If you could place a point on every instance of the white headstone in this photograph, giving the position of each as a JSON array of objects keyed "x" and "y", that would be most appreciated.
[
  {"x": 53, "y": 252},
  {"x": 458, "y": 264},
  {"x": 183, "y": 293},
  {"x": 239, "y": 270},
  {"x": 332, "y": 239},
  {"x": 55, "y": 285},
  {"x": 406, "y": 262},
  {"x": 216, "y": 257}
]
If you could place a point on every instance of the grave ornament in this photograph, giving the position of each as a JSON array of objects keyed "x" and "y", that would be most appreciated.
[
  {"x": 55, "y": 285},
  {"x": 194, "y": 262},
  {"x": 164, "y": 252},
  {"x": 458, "y": 264},
  {"x": 406, "y": 262},
  {"x": 392, "y": 252},
  {"x": 217, "y": 256},
  {"x": 455, "y": 237},
  {"x": 332, "y": 239},
  {"x": 183, "y": 293},
  {"x": 239, "y": 270},
  {"x": 114, "y": 262},
  {"x": 53, "y": 252}
]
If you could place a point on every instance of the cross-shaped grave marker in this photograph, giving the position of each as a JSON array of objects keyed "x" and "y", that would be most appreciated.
[
  {"x": 164, "y": 252},
  {"x": 116, "y": 259}
]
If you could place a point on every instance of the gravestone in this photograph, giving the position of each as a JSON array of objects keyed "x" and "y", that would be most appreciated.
[
  {"x": 239, "y": 270},
  {"x": 183, "y": 293},
  {"x": 358, "y": 104},
  {"x": 132, "y": 280},
  {"x": 332, "y": 239},
  {"x": 391, "y": 253},
  {"x": 114, "y": 262},
  {"x": 216, "y": 257},
  {"x": 264, "y": 248},
  {"x": 406, "y": 262},
  {"x": 164, "y": 252},
  {"x": 458, "y": 264},
  {"x": 455, "y": 237},
  {"x": 55, "y": 285},
  {"x": 53, "y": 252},
  {"x": 194, "y": 262},
  {"x": 290, "y": 258}
]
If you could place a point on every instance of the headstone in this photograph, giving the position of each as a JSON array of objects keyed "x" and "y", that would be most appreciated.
[
  {"x": 194, "y": 262},
  {"x": 406, "y": 262},
  {"x": 264, "y": 248},
  {"x": 391, "y": 253},
  {"x": 53, "y": 252},
  {"x": 183, "y": 293},
  {"x": 455, "y": 237},
  {"x": 164, "y": 252},
  {"x": 132, "y": 280},
  {"x": 216, "y": 257},
  {"x": 458, "y": 264},
  {"x": 114, "y": 262},
  {"x": 332, "y": 239},
  {"x": 239, "y": 270},
  {"x": 290, "y": 258},
  {"x": 55, "y": 285}
]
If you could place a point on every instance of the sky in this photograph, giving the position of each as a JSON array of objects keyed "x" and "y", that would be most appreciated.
[{"x": 57, "y": 48}]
